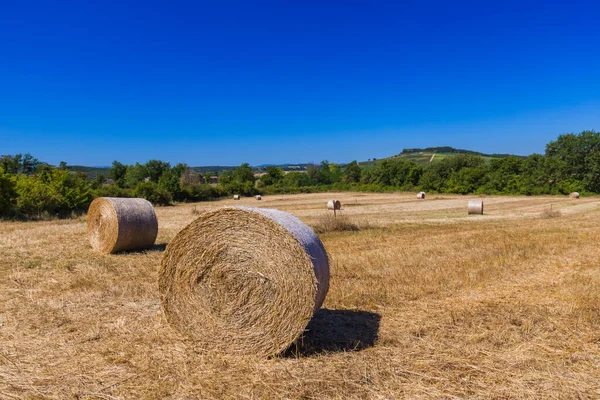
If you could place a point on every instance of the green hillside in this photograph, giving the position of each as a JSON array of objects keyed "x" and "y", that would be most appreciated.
[{"x": 431, "y": 155}]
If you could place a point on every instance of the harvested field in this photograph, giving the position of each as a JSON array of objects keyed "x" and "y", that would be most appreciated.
[{"x": 425, "y": 301}]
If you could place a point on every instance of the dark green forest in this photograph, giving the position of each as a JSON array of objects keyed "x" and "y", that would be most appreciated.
[{"x": 32, "y": 189}]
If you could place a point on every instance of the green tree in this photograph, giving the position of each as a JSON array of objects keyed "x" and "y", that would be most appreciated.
[
  {"x": 135, "y": 174},
  {"x": 273, "y": 176},
  {"x": 11, "y": 164},
  {"x": 352, "y": 172},
  {"x": 29, "y": 164},
  {"x": 170, "y": 181},
  {"x": 155, "y": 168},
  {"x": 244, "y": 173},
  {"x": 153, "y": 193},
  {"x": 8, "y": 194},
  {"x": 117, "y": 173},
  {"x": 296, "y": 179}
]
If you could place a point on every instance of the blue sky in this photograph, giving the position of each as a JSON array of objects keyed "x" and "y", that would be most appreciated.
[{"x": 208, "y": 83}]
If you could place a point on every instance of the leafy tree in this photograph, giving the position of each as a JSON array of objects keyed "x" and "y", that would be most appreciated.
[
  {"x": 352, "y": 172},
  {"x": 394, "y": 172},
  {"x": 170, "y": 182},
  {"x": 273, "y": 176},
  {"x": 36, "y": 197},
  {"x": 437, "y": 177},
  {"x": 98, "y": 181},
  {"x": 155, "y": 168},
  {"x": 74, "y": 190},
  {"x": 226, "y": 177},
  {"x": 244, "y": 173},
  {"x": 135, "y": 174},
  {"x": 8, "y": 194},
  {"x": 11, "y": 164},
  {"x": 335, "y": 173},
  {"x": 296, "y": 179},
  {"x": 577, "y": 158},
  {"x": 117, "y": 173},
  {"x": 29, "y": 164},
  {"x": 153, "y": 193}
]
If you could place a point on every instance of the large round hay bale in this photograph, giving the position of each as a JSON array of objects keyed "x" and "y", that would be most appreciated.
[
  {"x": 421, "y": 195},
  {"x": 258, "y": 197},
  {"x": 574, "y": 195},
  {"x": 236, "y": 196},
  {"x": 334, "y": 205},
  {"x": 243, "y": 280},
  {"x": 118, "y": 224},
  {"x": 475, "y": 207}
]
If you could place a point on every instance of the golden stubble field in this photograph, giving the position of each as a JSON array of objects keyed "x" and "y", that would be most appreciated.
[{"x": 425, "y": 302}]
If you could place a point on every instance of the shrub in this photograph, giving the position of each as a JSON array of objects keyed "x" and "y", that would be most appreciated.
[
  {"x": 7, "y": 193},
  {"x": 112, "y": 191},
  {"x": 36, "y": 197},
  {"x": 153, "y": 193},
  {"x": 74, "y": 190}
]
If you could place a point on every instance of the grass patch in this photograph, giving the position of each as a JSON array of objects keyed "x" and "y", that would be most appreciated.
[
  {"x": 550, "y": 213},
  {"x": 329, "y": 223}
]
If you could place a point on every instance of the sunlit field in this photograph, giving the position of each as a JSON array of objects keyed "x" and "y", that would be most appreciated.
[{"x": 425, "y": 302}]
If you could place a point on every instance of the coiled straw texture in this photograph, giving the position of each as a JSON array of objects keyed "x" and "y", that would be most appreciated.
[
  {"x": 243, "y": 280},
  {"x": 117, "y": 224}
]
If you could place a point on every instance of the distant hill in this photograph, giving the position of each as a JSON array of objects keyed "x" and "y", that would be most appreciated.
[
  {"x": 450, "y": 150},
  {"x": 431, "y": 155}
]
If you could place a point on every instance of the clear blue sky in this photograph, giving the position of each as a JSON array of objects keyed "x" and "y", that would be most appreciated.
[{"x": 226, "y": 82}]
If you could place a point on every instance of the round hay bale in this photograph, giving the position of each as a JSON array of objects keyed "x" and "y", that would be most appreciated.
[
  {"x": 118, "y": 224},
  {"x": 334, "y": 205},
  {"x": 243, "y": 280},
  {"x": 421, "y": 196},
  {"x": 574, "y": 195},
  {"x": 475, "y": 207},
  {"x": 236, "y": 196},
  {"x": 258, "y": 197}
]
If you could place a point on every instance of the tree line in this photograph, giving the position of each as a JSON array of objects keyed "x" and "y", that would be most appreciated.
[{"x": 30, "y": 188}]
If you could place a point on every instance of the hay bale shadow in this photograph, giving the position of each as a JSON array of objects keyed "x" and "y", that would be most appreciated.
[
  {"x": 154, "y": 247},
  {"x": 337, "y": 331}
]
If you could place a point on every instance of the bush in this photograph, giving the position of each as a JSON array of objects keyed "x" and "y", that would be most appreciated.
[
  {"x": 8, "y": 194},
  {"x": 112, "y": 191},
  {"x": 202, "y": 192},
  {"x": 36, "y": 197},
  {"x": 153, "y": 193},
  {"x": 74, "y": 191}
]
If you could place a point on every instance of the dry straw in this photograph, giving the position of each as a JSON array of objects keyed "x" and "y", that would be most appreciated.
[
  {"x": 236, "y": 196},
  {"x": 119, "y": 224},
  {"x": 475, "y": 207},
  {"x": 574, "y": 195},
  {"x": 421, "y": 195},
  {"x": 243, "y": 280},
  {"x": 334, "y": 205}
]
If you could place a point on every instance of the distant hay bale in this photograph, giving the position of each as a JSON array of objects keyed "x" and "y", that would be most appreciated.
[
  {"x": 258, "y": 197},
  {"x": 117, "y": 224},
  {"x": 243, "y": 280},
  {"x": 334, "y": 205},
  {"x": 236, "y": 196},
  {"x": 421, "y": 195},
  {"x": 475, "y": 207},
  {"x": 574, "y": 195}
]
